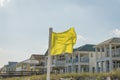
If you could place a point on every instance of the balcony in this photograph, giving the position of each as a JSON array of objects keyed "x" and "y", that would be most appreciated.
[
  {"x": 37, "y": 66},
  {"x": 60, "y": 63},
  {"x": 75, "y": 60},
  {"x": 84, "y": 59},
  {"x": 69, "y": 61},
  {"x": 115, "y": 53}
]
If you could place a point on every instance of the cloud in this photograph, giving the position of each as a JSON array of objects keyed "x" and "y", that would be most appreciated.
[
  {"x": 116, "y": 32},
  {"x": 5, "y": 56},
  {"x": 80, "y": 38},
  {"x": 2, "y": 51},
  {"x": 3, "y": 2}
]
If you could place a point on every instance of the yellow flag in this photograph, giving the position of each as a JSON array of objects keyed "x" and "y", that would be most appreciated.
[{"x": 63, "y": 42}]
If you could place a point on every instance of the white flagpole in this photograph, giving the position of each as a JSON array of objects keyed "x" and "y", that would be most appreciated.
[{"x": 49, "y": 56}]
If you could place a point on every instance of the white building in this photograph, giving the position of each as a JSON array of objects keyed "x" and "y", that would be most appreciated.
[
  {"x": 81, "y": 60},
  {"x": 109, "y": 57}
]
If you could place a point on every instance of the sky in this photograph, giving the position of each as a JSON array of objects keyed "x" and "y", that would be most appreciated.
[{"x": 24, "y": 24}]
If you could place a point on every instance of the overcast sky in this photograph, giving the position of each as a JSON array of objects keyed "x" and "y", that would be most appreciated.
[{"x": 24, "y": 24}]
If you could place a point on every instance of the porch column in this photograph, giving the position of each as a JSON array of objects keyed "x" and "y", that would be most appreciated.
[
  {"x": 115, "y": 51},
  {"x": 78, "y": 62},
  {"x": 96, "y": 53},
  {"x": 105, "y": 62},
  {"x": 68, "y": 69},
  {"x": 105, "y": 66},
  {"x": 79, "y": 66},
  {"x": 96, "y": 67},
  {"x": 72, "y": 66},
  {"x": 102, "y": 66},
  {"x": 105, "y": 50},
  {"x": 100, "y": 52},
  {"x": 78, "y": 57},
  {"x": 110, "y": 61},
  {"x": 116, "y": 64}
]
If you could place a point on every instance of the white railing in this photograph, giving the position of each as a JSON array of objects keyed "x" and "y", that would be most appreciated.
[
  {"x": 60, "y": 63},
  {"x": 84, "y": 59}
]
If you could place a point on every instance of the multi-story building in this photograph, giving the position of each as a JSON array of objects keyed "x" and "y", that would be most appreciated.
[
  {"x": 11, "y": 66},
  {"x": 81, "y": 60},
  {"x": 25, "y": 65},
  {"x": 57, "y": 63},
  {"x": 103, "y": 57},
  {"x": 108, "y": 57},
  {"x": 34, "y": 63},
  {"x": 40, "y": 64}
]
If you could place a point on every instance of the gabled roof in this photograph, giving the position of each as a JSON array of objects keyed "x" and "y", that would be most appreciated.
[
  {"x": 29, "y": 61},
  {"x": 37, "y": 57},
  {"x": 46, "y": 53},
  {"x": 87, "y": 47},
  {"x": 112, "y": 41}
]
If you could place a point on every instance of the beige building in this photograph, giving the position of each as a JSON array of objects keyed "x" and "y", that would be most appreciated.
[
  {"x": 40, "y": 62},
  {"x": 34, "y": 63},
  {"x": 103, "y": 57}
]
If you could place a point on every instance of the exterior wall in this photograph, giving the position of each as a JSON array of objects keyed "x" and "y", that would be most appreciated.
[
  {"x": 87, "y": 61},
  {"x": 26, "y": 65},
  {"x": 92, "y": 63},
  {"x": 22, "y": 67},
  {"x": 10, "y": 67},
  {"x": 19, "y": 68},
  {"x": 58, "y": 64},
  {"x": 80, "y": 62},
  {"x": 3, "y": 70},
  {"x": 110, "y": 58}
]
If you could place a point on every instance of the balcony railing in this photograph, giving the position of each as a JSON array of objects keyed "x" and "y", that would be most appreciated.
[
  {"x": 84, "y": 59},
  {"x": 69, "y": 61},
  {"x": 36, "y": 67},
  {"x": 75, "y": 60},
  {"x": 115, "y": 53},
  {"x": 60, "y": 63}
]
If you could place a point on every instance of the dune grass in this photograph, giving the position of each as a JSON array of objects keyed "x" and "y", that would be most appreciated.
[{"x": 98, "y": 76}]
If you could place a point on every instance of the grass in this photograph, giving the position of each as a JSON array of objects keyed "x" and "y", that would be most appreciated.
[{"x": 98, "y": 76}]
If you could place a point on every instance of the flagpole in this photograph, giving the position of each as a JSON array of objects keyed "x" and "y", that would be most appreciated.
[{"x": 49, "y": 56}]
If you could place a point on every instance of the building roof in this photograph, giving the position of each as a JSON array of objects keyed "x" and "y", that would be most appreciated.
[
  {"x": 87, "y": 47},
  {"x": 91, "y": 47},
  {"x": 112, "y": 41},
  {"x": 37, "y": 57},
  {"x": 12, "y": 63},
  {"x": 46, "y": 53}
]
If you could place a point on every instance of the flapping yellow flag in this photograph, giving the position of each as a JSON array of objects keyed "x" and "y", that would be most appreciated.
[{"x": 63, "y": 42}]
